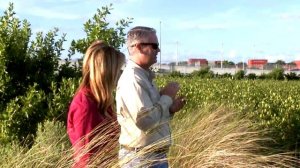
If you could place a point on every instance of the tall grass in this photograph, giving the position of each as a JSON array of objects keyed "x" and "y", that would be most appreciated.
[
  {"x": 209, "y": 137},
  {"x": 220, "y": 137},
  {"x": 50, "y": 146}
]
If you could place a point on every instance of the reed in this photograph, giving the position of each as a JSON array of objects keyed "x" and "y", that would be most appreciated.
[{"x": 208, "y": 137}]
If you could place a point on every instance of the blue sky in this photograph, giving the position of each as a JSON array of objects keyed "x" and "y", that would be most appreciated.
[{"x": 235, "y": 30}]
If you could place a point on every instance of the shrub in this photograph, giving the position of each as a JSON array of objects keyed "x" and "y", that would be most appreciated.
[
  {"x": 51, "y": 149},
  {"x": 225, "y": 75},
  {"x": 217, "y": 136},
  {"x": 30, "y": 74},
  {"x": 60, "y": 99},
  {"x": 276, "y": 74},
  {"x": 263, "y": 76},
  {"x": 22, "y": 115},
  {"x": 175, "y": 74},
  {"x": 203, "y": 73},
  {"x": 291, "y": 76},
  {"x": 239, "y": 75},
  {"x": 251, "y": 76}
]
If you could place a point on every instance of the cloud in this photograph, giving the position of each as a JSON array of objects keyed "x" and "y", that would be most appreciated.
[
  {"x": 232, "y": 54},
  {"x": 229, "y": 14},
  {"x": 224, "y": 20},
  {"x": 51, "y": 11},
  {"x": 52, "y": 14},
  {"x": 3, "y": 5},
  {"x": 276, "y": 57},
  {"x": 125, "y": 1},
  {"x": 297, "y": 57},
  {"x": 191, "y": 25},
  {"x": 260, "y": 51},
  {"x": 214, "y": 52},
  {"x": 289, "y": 17},
  {"x": 71, "y": 0},
  {"x": 146, "y": 21}
]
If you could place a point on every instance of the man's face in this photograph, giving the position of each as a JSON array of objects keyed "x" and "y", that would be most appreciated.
[{"x": 149, "y": 49}]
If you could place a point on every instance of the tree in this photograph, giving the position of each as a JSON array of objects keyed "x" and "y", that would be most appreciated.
[
  {"x": 3, "y": 76},
  {"x": 27, "y": 62},
  {"x": 241, "y": 64},
  {"x": 27, "y": 70},
  {"x": 228, "y": 63},
  {"x": 203, "y": 73},
  {"x": 280, "y": 62},
  {"x": 239, "y": 75},
  {"x": 13, "y": 42},
  {"x": 251, "y": 76},
  {"x": 98, "y": 28},
  {"x": 32, "y": 84},
  {"x": 276, "y": 74}
]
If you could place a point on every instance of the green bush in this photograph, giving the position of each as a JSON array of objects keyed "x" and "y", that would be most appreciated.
[
  {"x": 271, "y": 104},
  {"x": 22, "y": 115},
  {"x": 175, "y": 74},
  {"x": 33, "y": 85},
  {"x": 251, "y": 76},
  {"x": 225, "y": 75},
  {"x": 203, "y": 73},
  {"x": 4, "y": 79},
  {"x": 239, "y": 75},
  {"x": 291, "y": 76},
  {"x": 263, "y": 76},
  {"x": 276, "y": 74},
  {"x": 60, "y": 99}
]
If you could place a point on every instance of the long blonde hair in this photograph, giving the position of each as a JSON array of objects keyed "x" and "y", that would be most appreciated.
[{"x": 100, "y": 72}]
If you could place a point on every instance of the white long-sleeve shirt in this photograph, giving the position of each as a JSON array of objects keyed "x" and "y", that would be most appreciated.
[{"x": 142, "y": 112}]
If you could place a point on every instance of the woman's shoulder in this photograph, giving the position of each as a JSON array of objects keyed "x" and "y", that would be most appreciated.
[{"x": 82, "y": 97}]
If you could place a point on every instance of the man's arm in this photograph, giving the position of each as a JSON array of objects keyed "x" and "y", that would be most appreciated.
[{"x": 145, "y": 113}]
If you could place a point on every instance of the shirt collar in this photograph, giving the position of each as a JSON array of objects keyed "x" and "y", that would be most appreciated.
[{"x": 150, "y": 75}]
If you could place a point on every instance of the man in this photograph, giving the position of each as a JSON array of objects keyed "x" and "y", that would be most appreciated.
[{"x": 143, "y": 111}]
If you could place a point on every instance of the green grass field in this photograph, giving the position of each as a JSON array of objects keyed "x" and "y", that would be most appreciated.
[{"x": 226, "y": 123}]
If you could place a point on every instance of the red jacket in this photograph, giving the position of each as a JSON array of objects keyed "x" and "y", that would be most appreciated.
[{"x": 83, "y": 118}]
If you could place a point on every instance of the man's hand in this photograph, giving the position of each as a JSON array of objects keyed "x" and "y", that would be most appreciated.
[
  {"x": 170, "y": 89},
  {"x": 177, "y": 105}
]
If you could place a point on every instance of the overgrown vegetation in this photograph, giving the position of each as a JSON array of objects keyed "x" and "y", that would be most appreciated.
[
  {"x": 214, "y": 136},
  {"x": 35, "y": 92},
  {"x": 206, "y": 73},
  {"x": 270, "y": 104},
  {"x": 34, "y": 87}
]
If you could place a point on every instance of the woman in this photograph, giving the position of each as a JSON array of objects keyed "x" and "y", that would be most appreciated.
[{"x": 91, "y": 109}]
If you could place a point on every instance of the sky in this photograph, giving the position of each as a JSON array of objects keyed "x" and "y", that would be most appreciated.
[{"x": 233, "y": 30}]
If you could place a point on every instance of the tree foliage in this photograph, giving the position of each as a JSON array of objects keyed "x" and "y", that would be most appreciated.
[
  {"x": 98, "y": 28},
  {"x": 239, "y": 75},
  {"x": 203, "y": 73},
  {"x": 276, "y": 74},
  {"x": 280, "y": 62},
  {"x": 34, "y": 85}
]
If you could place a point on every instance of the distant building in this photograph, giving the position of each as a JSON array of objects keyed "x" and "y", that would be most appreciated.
[
  {"x": 198, "y": 61},
  {"x": 297, "y": 64},
  {"x": 217, "y": 62},
  {"x": 257, "y": 63},
  {"x": 241, "y": 65}
]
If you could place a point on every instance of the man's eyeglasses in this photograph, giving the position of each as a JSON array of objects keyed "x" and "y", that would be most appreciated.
[{"x": 153, "y": 45}]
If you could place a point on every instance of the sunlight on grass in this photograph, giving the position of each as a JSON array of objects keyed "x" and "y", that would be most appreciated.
[{"x": 210, "y": 137}]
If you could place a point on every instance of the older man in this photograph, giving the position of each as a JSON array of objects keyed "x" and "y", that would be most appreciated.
[{"x": 144, "y": 111}]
